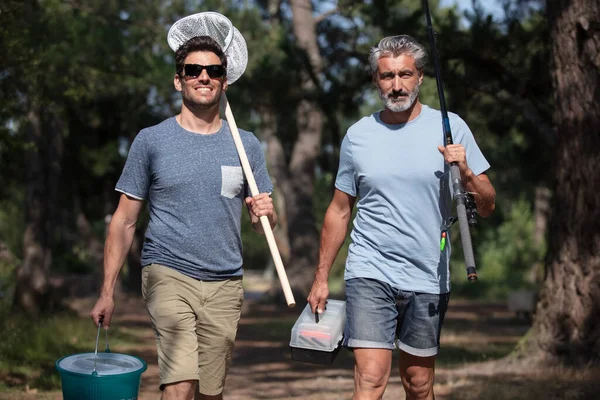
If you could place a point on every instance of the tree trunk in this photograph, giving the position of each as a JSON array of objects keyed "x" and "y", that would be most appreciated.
[
  {"x": 7, "y": 258},
  {"x": 541, "y": 210},
  {"x": 42, "y": 170},
  {"x": 567, "y": 322},
  {"x": 303, "y": 234},
  {"x": 278, "y": 169},
  {"x": 86, "y": 237}
]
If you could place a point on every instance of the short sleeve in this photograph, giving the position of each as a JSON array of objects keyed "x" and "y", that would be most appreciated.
[
  {"x": 259, "y": 167},
  {"x": 135, "y": 178},
  {"x": 463, "y": 135},
  {"x": 346, "y": 176}
]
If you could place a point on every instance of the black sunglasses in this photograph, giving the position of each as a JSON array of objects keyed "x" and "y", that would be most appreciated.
[{"x": 213, "y": 71}]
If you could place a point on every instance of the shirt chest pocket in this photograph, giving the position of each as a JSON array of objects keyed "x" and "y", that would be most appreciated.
[{"x": 232, "y": 181}]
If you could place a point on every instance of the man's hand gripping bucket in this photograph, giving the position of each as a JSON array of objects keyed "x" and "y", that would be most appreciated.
[{"x": 100, "y": 376}]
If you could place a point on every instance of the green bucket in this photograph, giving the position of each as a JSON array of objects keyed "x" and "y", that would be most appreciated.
[
  {"x": 116, "y": 376},
  {"x": 100, "y": 376}
]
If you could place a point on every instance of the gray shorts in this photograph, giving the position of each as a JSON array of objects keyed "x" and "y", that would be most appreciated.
[{"x": 380, "y": 316}]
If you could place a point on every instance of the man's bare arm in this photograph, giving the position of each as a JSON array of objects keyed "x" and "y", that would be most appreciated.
[
  {"x": 333, "y": 234},
  {"x": 483, "y": 192},
  {"x": 118, "y": 242}
]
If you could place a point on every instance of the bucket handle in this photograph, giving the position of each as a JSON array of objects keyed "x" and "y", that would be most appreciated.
[{"x": 106, "y": 350}]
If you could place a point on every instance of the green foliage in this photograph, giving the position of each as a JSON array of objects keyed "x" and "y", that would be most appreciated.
[
  {"x": 29, "y": 348},
  {"x": 100, "y": 71},
  {"x": 93, "y": 66},
  {"x": 512, "y": 253},
  {"x": 507, "y": 257},
  {"x": 104, "y": 159},
  {"x": 498, "y": 76},
  {"x": 7, "y": 285},
  {"x": 12, "y": 225},
  {"x": 76, "y": 261}
]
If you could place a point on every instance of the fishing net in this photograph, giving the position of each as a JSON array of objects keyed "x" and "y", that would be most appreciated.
[{"x": 218, "y": 27}]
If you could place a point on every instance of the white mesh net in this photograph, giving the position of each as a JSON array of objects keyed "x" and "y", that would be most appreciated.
[{"x": 218, "y": 27}]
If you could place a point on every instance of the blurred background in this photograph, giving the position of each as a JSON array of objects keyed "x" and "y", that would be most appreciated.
[{"x": 80, "y": 78}]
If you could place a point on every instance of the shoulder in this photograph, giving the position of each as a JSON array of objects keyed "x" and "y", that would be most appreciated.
[
  {"x": 457, "y": 124},
  {"x": 248, "y": 138},
  {"x": 155, "y": 131},
  {"x": 456, "y": 120},
  {"x": 252, "y": 144},
  {"x": 430, "y": 113},
  {"x": 460, "y": 129},
  {"x": 361, "y": 126}
]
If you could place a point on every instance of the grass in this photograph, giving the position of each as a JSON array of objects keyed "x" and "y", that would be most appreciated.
[{"x": 30, "y": 347}]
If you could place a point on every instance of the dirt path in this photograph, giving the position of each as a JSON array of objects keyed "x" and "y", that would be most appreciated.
[{"x": 262, "y": 367}]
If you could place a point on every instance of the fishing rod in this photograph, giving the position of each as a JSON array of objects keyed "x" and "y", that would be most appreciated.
[{"x": 463, "y": 202}]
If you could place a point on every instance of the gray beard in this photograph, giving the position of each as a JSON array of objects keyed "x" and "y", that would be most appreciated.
[{"x": 402, "y": 105}]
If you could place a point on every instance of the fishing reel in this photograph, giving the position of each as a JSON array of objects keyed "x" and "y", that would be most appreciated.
[{"x": 471, "y": 209}]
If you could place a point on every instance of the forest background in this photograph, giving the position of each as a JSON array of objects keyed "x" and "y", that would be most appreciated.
[{"x": 79, "y": 79}]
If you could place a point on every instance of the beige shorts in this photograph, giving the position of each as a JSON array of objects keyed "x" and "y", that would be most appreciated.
[{"x": 195, "y": 323}]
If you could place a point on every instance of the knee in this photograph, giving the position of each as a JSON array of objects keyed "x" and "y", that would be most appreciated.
[
  {"x": 418, "y": 387},
  {"x": 180, "y": 390},
  {"x": 371, "y": 379}
]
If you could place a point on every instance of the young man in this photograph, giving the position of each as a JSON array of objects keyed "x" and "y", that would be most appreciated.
[
  {"x": 188, "y": 169},
  {"x": 394, "y": 166}
]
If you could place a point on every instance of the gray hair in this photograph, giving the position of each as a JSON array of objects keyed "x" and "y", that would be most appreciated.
[{"x": 393, "y": 46}]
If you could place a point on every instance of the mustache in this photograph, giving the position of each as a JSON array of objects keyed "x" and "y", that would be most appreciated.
[{"x": 397, "y": 93}]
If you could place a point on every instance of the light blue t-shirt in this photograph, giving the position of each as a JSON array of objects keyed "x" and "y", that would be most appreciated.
[
  {"x": 195, "y": 189},
  {"x": 404, "y": 198}
]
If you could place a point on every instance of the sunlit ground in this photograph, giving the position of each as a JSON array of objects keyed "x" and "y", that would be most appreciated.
[{"x": 474, "y": 336}]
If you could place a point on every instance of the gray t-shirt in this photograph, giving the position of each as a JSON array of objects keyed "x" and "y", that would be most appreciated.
[
  {"x": 404, "y": 198},
  {"x": 195, "y": 189}
]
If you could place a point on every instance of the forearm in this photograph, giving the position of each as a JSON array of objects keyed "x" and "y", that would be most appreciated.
[
  {"x": 333, "y": 234},
  {"x": 118, "y": 242},
  {"x": 483, "y": 192}
]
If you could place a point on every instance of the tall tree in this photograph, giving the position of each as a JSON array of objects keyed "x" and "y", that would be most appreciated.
[
  {"x": 42, "y": 162},
  {"x": 89, "y": 84},
  {"x": 43, "y": 128},
  {"x": 304, "y": 238},
  {"x": 291, "y": 123},
  {"x": 567, "y": 322}
]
